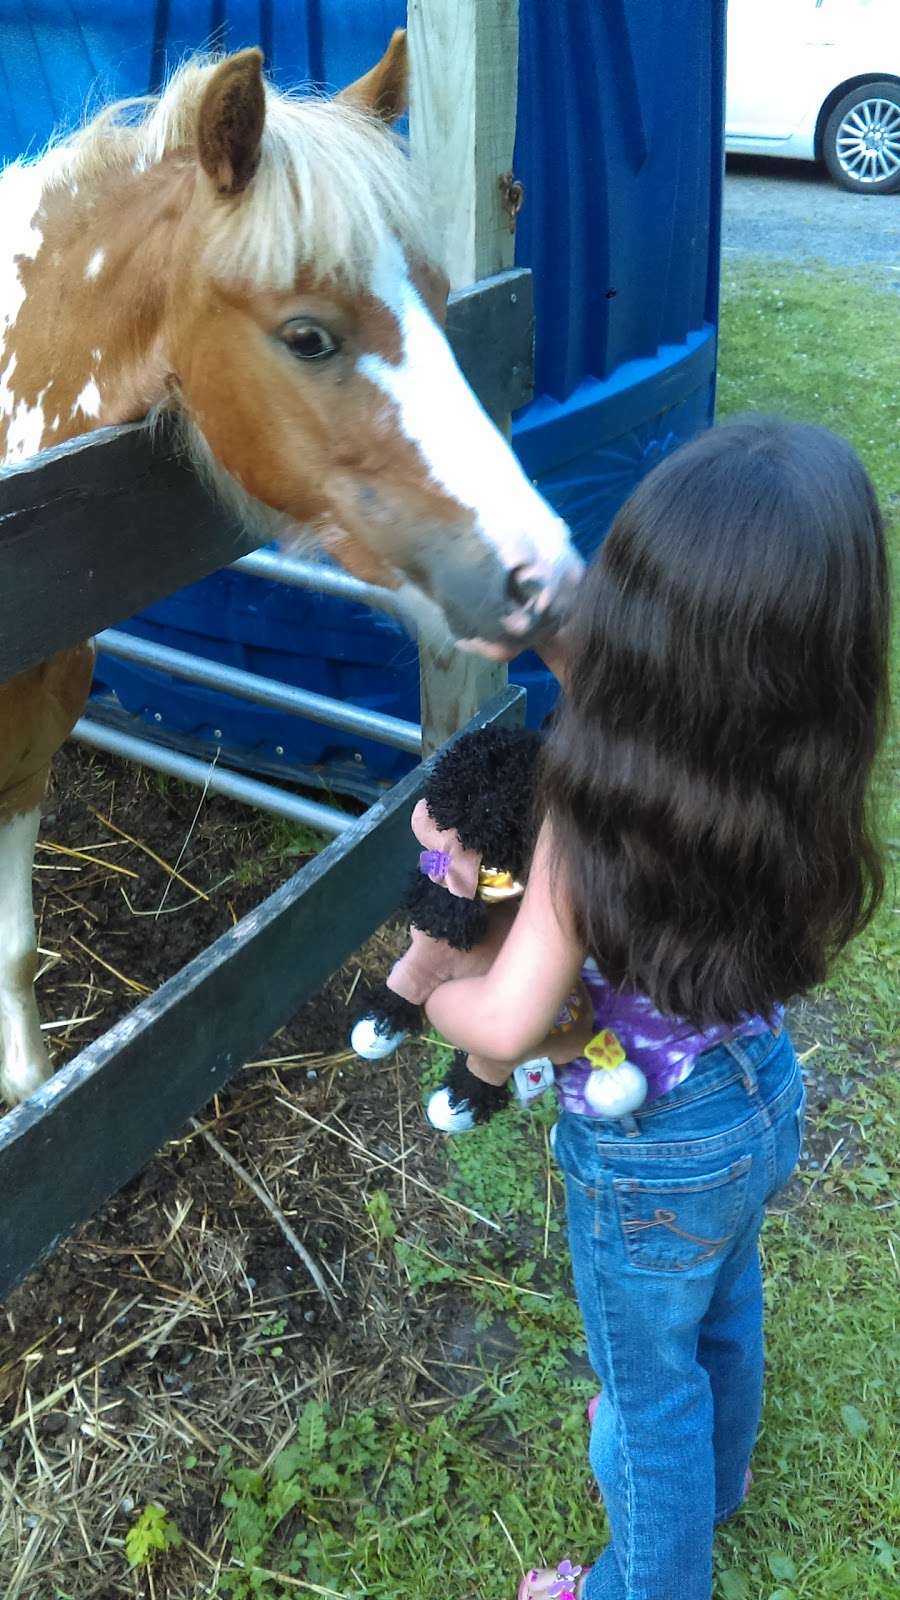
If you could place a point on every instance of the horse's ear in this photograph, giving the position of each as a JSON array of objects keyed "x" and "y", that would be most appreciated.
[
  {"x": 231, "y": 120},
  {"x": 384, "y": 92}
]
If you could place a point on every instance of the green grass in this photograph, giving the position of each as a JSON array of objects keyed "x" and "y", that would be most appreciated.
[
  {"x": 387, "y": 1505},
  {"x": 277, "y": 843}
]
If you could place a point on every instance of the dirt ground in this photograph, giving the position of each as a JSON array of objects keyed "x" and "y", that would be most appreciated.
[
  {"x": 179, "y": 1323},
  {"x": 179, "y": 1332}
]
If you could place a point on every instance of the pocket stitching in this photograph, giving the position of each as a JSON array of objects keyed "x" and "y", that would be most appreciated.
[{"x": 734, "y": 1176}]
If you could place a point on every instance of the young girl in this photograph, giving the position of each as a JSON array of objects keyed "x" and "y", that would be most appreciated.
[{"x": 704, "y": 841}]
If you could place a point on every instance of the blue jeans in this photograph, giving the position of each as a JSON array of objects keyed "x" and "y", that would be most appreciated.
[{"x": 664, "y": 1212}]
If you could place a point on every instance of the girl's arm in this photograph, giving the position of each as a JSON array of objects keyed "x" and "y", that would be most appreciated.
[{"x": 509, "y": 1011}]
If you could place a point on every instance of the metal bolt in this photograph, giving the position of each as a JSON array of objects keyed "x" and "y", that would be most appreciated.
[
  {"x": 279, "y": 749},
  {"x": 357, "y": 756},
  {"x": 217, "y": 733},
  {"x": 157, "y": 716},
  {"x": 514, "y": 299}
]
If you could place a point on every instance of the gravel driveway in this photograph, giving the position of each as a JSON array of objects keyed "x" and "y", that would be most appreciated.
[{"x": 791, "y": 210}]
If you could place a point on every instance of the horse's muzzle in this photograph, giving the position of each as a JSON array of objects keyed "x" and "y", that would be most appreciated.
[{"x": 500, "y": 612}]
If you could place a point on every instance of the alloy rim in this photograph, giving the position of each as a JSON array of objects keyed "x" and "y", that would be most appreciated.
[{"x": 868, "y": 141}]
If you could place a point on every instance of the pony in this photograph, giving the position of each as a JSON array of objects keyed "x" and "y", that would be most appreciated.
[{"x": 260, "y": 264}]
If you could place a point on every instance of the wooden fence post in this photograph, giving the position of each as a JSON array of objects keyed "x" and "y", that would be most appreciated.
[{"x": 464, "y": 76}]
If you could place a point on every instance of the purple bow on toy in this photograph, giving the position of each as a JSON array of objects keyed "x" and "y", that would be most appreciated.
[{"x": 434, "y": 864}]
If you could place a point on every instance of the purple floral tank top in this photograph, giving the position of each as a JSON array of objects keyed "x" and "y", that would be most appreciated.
[{"x": 665, "y": 1048}]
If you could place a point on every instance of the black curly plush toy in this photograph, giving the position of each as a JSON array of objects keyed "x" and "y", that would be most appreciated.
[{"x": 476, "y": 826}]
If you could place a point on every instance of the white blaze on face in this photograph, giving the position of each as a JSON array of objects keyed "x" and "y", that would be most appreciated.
[{"x": 464, "y": 453}]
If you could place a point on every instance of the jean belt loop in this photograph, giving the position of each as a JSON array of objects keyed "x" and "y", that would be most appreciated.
[
  {"x": 748, "y": 1070},
  {"x": 629, "y": 1124}
]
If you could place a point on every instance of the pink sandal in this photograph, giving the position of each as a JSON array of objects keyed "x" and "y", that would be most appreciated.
[{"x": 542, "y": 1583}]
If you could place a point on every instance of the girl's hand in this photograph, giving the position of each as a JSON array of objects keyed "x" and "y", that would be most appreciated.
[
  {"x": 553, "y": 649},
  {"x": 554, "y": 652}
]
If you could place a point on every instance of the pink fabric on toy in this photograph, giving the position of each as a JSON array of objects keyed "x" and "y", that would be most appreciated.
[
  {"x": 426, "y": 962},
  {"x": 461, "y": 875}
]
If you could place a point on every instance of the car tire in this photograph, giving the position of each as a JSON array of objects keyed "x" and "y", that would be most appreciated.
[{"x": 861, "y": 142}]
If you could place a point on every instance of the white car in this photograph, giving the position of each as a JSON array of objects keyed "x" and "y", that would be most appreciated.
[{"x": 818, "y": 80}]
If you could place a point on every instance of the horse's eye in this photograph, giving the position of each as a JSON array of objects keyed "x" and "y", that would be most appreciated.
[{"x": 309, "y": 341}]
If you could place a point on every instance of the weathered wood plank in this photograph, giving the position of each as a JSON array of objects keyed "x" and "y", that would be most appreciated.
[
  {"x": 95, "y": 530},
  {"x": 497, "y": 315},
  {"x": 462, "y": 124},
  {"x": 96, "y": 1123},
  {"x": 98, "y": 528}
]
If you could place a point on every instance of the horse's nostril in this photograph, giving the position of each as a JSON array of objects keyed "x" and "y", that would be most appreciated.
[{"x": 521, "y": 590}]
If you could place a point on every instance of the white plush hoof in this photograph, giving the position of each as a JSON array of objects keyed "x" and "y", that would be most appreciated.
[
  {"x": 532, "y": 1079},
  {"x": 448, "y": 1117},
  {"x": 369, "y": 1042}
]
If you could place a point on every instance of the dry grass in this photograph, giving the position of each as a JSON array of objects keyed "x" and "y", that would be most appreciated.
[{"x": 179, "y": 1335}]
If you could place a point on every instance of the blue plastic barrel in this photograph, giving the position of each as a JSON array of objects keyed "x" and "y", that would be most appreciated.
[{"x": 619, "y": 147}]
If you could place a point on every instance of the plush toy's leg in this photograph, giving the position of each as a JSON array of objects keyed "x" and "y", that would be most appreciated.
[
  {"x": 463, "y": 1101},
  {"x": 385, "y": 1024}
]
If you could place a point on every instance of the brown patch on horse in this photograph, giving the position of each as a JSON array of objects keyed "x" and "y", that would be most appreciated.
[
  {"x": 384, "y": 90},
  {"x": 231, "y": 120},
  {"x": 38, "y": 710}
]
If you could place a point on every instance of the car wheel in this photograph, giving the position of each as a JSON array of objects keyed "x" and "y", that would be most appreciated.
[{"x": 861, "y": 143}]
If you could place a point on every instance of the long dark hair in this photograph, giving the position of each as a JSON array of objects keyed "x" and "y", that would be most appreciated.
[{"x": 706, "y": 774}]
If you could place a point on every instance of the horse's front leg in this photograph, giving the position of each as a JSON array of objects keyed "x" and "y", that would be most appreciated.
[{"x": 24, "y": 1062}]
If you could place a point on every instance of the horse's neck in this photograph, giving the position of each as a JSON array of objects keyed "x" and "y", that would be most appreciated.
[{"x": 84, "y": 276}]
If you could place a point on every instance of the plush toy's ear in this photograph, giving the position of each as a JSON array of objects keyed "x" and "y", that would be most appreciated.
[
  {"x": 384, "y": 91},
  {"x": 231, "y": 120}
]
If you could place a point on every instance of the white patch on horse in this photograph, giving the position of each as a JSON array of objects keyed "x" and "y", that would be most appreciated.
[
  {"x": 21, "y": 188},
  {"x": 23, "y": 1056},
  {"x": 92, "y": 270},
  {"x": 25, "y": 424},
  {"x": 88, "y": 401},
  {"x": 466, "y": 455},
  {"x": 25, "y": 430},
  {"x": 7, "y": 398}
]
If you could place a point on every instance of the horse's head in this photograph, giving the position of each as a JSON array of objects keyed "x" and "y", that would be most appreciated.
[{"x": 307, "y": 351}]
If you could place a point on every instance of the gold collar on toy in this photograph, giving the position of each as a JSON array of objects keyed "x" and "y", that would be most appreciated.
[{"x": 494, "y": 884}]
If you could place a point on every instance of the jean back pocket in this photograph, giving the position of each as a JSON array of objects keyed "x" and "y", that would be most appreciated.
[{"x": 674, "y": 1224}]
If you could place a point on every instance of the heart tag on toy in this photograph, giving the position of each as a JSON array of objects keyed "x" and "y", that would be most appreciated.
[
  {"x": 532, "y": 1079},
  {"x": 615, "y": 1087}
]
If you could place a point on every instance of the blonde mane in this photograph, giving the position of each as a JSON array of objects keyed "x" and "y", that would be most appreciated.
[{"x": 332, "y": 187}]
